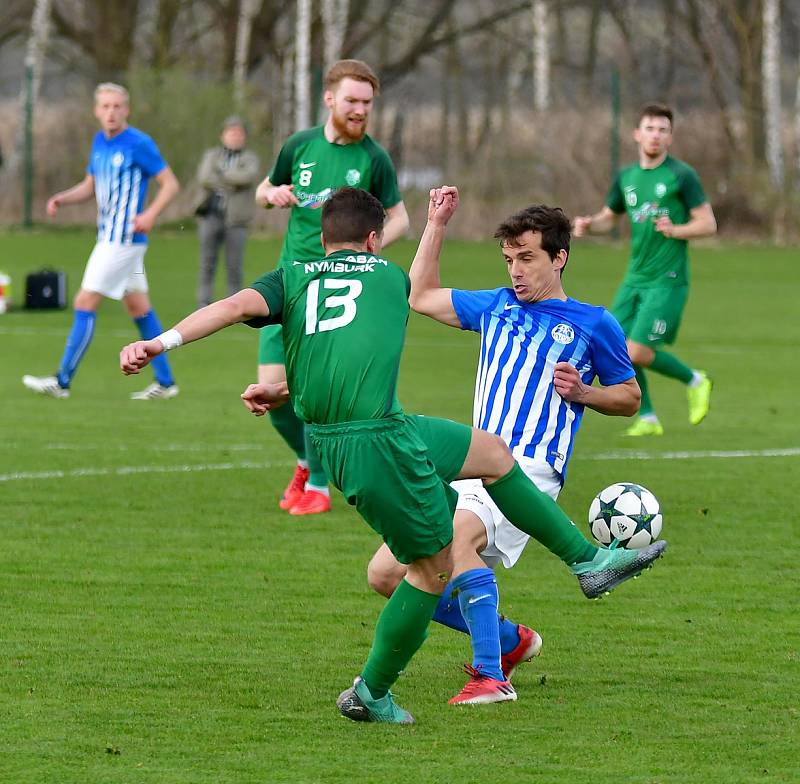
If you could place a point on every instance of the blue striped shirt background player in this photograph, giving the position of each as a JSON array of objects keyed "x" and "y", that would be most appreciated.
[
  {"x": 122, "y": 162},
  {"x": 540, "y": 351}
]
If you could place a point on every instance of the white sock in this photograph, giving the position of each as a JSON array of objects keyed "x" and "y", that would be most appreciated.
[
  {"x": 324, "y": 490},
  {"x": 652, "y": 418},
  {"x": 697, "y": 379}
]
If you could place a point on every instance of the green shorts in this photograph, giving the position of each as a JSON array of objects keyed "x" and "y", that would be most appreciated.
[
  {"x": 270, "y": 345},
  {"x": 396, "y": 472},
  {"x": 650, "y": 316}
]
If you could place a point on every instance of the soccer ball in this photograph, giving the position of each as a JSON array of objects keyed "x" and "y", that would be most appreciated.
[{"x": 626, "y": 513}]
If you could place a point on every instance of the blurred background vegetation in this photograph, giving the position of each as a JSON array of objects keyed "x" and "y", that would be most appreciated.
[{"x": 513, "y": 101}]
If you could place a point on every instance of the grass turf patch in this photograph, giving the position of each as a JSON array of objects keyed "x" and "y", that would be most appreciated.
[{"x": 163, "y": 621}]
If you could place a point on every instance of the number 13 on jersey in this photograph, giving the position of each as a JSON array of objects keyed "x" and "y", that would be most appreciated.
[{"x": 346, "y": 301}]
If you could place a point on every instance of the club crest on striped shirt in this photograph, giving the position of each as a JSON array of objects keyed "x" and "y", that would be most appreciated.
[{"x": 562, "y": 333}]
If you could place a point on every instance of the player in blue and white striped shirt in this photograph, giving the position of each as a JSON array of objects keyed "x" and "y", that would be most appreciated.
[
  {"x": 540, "y": 352},
  {"x": 121, "y": 163}
]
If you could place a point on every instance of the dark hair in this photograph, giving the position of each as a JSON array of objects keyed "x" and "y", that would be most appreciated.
[
  {"x": 351, "y": 69},
  {"x": 350, "y": 215},
  {"x": 550, "y": 222},
  {"x": 655, "y": 110}
]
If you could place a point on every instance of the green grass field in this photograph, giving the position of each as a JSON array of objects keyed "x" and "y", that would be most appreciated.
[{"x": 163, "y": 622}]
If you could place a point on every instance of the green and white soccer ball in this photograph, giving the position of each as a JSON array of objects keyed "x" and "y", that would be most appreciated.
[{"x": 626, "y": 514}]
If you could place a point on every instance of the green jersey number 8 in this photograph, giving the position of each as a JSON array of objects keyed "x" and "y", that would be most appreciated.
[{"x": 347, "y": 301}]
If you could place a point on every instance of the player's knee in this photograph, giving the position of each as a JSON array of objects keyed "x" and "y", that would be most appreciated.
[
  {"x": 469, "y": 535},
  {"x": 85, "y": 300},
  {"x": 501, "y": 458},
  {"x": 382, "y": 577},
  {"x": 431, "y": 574},
  {"x": 639, "y": 354},
  {"x": 137, "y": 305}
]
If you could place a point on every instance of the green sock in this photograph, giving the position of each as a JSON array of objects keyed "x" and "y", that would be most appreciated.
[
  {"x": 538, "y": 515},
  {"x": 401, "y": 629},
  {"x": 316, "y": 473},
  {"x": 646, "y": 406},
  {"x": 290, "y": 427},
  {"x": 669, "y": 365}
]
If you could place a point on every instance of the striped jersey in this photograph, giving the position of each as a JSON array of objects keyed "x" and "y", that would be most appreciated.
[
  {"x": 521, "y": 342},
  {"x": 122, "y": 167}
]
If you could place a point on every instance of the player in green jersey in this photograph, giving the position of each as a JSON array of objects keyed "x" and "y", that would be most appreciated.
[
  {"x": 310, "y": 166},
  {"x": 345, "y": 318},
  {"x": 666, "y": 207}
]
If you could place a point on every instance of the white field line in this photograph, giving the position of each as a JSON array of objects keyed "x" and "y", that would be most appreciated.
[
  {"x": 250, "y": 465},
  {"x": 255, "y": 446},
  {"x": 144, "y": 469},
  {"x": 712, "y": 454}
]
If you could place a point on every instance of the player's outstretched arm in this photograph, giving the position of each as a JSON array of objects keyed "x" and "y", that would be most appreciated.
[
  {"x": 260, "y": 398},
  {"x": 427, "y": 295},
  {"x": 242, "y": 306},
  {"x": 600, "y": 223},
  {"x": 614, "y": 400}
]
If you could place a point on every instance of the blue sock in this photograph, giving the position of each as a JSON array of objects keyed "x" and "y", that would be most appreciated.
[
  {"x": 509, "y": 637},
  {"x": 80, "y": 337},
  {"x": 448, "y": 613},
  {"x": 478, "y": 599},
  {"x": 149, "y": 328}
]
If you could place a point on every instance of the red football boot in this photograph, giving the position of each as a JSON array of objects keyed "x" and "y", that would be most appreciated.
[
  {"x": 311, "y": 502},
  {"x": 481, "y": 690},
  {"x": 530, "y": 645},
  {"x": 295, "y": 488}
]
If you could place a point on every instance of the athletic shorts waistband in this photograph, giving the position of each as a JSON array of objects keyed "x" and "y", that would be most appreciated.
[{"x": 358, "y": 426}]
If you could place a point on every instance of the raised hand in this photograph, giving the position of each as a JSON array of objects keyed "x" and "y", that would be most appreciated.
[{"x": 443, "y": 203}]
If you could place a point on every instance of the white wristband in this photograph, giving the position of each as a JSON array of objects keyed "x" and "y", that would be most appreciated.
[{"x": 170, "y": 339}]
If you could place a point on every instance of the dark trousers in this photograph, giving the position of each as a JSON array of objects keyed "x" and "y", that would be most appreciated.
[{"x": 213, "y": 233}]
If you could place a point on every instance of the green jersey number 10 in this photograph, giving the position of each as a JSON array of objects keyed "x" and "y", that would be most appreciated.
[{"x": 347, "y": 301}]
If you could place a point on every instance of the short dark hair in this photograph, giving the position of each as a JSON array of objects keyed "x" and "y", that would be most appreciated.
[
  {"x": 351, "y": 69},
  {"x": 550, "y": 222},
  {"x": 655, "y": 110},
  {"x": 350, "y": 215}
]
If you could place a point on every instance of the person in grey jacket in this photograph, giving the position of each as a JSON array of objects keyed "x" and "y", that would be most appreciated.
[{"x": 228, "y": 174}]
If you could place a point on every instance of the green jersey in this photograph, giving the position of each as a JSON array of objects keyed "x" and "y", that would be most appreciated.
[
  {"x": 672, "y": 189},
  {"x": 344, "y": 322},
  {"x": 316, "y": 168}
]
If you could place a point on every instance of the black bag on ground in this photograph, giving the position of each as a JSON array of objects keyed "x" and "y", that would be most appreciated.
[{"x": 46, "y": 289}]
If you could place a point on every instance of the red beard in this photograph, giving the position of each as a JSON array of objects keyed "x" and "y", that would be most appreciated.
[{"x": 342, "y": 130}]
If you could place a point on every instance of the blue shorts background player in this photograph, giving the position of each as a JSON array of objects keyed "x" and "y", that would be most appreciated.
[
  {"x": 540, "y": 351},
  {"x": 121, "y": 163}
]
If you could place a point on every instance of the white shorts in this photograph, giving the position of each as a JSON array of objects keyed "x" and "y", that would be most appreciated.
[
  {"x": 115, "y": 270},
  {"x": 505, "y": 542}
]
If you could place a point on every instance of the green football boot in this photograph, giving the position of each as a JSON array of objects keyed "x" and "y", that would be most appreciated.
[
  {"x": 699, "y": 399},
  {"x": 644, "y": 427},
  {"x": 358, "y": 704},
  {"x": 609, "y": 567}
]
